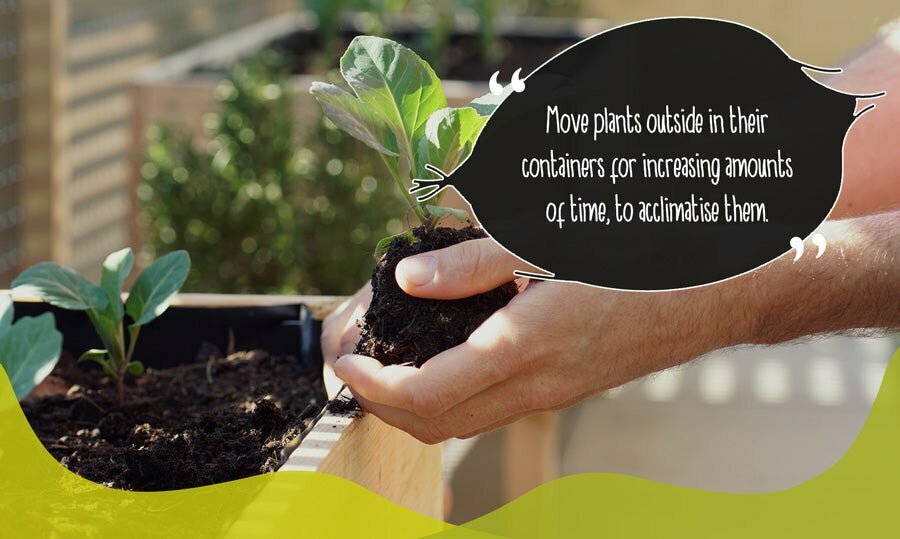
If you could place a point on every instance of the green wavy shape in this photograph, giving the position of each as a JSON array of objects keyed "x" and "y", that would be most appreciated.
[{"x": 857, "y": 497}]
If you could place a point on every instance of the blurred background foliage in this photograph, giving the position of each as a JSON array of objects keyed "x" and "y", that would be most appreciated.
[
  {"x": 269, "y": 204},
  {"x": 259, "y": 211},
  {"x": 437, "y": 19}
]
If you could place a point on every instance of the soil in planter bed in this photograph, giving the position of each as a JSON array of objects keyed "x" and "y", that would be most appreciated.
[
  {"x": 399, "y": 328},
  {"x": 196, "y": 424}
]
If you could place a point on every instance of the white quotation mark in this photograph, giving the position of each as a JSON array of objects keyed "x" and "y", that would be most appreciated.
[
  {"x": 517, "y": 84},
  {"x": 817, "y": 239}
]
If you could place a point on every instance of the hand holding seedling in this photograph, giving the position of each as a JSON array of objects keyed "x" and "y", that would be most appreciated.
[{"x": 555, "y": 343}]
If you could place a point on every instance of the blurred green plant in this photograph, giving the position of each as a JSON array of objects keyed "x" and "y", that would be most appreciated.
[
  {"x": 546, "y": 8},
  {"x": 265, "y": 206},
  {"x": 439, "y": 19}
]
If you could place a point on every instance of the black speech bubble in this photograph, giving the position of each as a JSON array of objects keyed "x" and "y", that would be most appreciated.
[{"x": 680, "y": 62}]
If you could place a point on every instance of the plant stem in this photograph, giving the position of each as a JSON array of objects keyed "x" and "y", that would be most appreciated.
[
  {"x": 415, "y": 206},
  {"x": 120, "y": 388},
  {"x": 122, "y": 368},
  {"x": 120, "y": 349},
  {"x": 132, "y": 341}
]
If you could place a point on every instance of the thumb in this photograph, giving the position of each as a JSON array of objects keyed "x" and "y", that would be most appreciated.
[{"x": 458, "y": 271}]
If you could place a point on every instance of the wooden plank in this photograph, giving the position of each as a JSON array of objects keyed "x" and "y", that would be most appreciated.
[
  {"x": 381, "y": 458},
  {"x": 87, "y": 47},
  {"x": 112, "y": 75},
  {"x": 530, "y": 454},
  {"x": 9, "y": 147},
  {"x": 227, "y": 49},
  {"x": 364, "y": 450},
  {"x": 98, "y": 113},
  {"x": 98, "y": 182},
  {"x": 44, "y": 26},
  {"x": 319, "y": 306},
  {"x": 103, "y": 145},
  {"x": 390, "y": 463},
  {"x": 97, "y": 214},
  {"x": 96, "y": 246}
]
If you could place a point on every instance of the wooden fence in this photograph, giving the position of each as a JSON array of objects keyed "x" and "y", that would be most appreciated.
[
  {"x": 65, "y": 108},
  {"x": 10, "y": 167}
]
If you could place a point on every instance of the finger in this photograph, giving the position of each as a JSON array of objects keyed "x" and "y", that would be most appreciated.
[
  {"x": 512, "y": 419},
  {"x": 339, "y": 329},
  {"x": 429, "y": 431},
  {"x": 371, "y": 380},
  {"x": 340, "y": 332},
  {"x": 331, "y": 380},
  {"x": 459, "y": 271},
  {"x": 498, "y": 405},
  {"x": 488, "y": 357}
]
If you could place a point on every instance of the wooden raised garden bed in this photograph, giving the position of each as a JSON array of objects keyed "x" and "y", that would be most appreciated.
[
  {"x": 346, "y": 443},
  {"x": 180, "y": 89}
]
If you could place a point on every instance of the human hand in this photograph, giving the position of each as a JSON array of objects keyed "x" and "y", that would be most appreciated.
[
  {"x": 552, "y": 346},
  {"x": 340, "y": 333}
]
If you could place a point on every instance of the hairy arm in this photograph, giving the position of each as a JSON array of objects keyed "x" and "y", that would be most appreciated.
[
  {"x": 558, "y": 343},
  {"x": 855, "y": 285}
]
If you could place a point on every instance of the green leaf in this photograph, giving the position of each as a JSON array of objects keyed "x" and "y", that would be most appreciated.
[
  {"x": 136, "y": 368},
  {"x": 443, "y": 211},
  {"x": 116, "y": 268},
  {"x": 156, "y": 286},
  {"x": 350, "y": 114},
  {"x": 93, "y": 354},
  {"x": 29, "y": 350},
  {"x": 394, "y": 83},
  {"x": 99, "y": 357},
  {"x": 382, "y": 247},
  {"x": 487, "y": 104},
  {"x": 449, "y": 137},
  {"x": 6, "y": 313},
  {"x": 61, "y": 287},
  {"x": 108, "y": 331}
]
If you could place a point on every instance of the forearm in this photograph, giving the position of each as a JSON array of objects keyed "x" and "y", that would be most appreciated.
[{"x": 854, "y": 285}]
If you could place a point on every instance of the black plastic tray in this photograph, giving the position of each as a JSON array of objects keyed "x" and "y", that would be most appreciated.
[{"x": 176, "y": 337}]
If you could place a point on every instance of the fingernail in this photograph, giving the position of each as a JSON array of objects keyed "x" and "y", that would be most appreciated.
[{"x": 418, "y": 270}]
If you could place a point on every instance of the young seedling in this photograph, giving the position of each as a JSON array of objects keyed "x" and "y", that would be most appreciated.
[
  {"x": 398, "y": 108},
  {"x": 148, "y": 298},
  {"x": 29, "y": 349}
]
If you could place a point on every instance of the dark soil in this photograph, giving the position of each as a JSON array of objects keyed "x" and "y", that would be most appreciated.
[
  {"x": 345, "y": 406},
  {"x": 399, "y": 328},
  {"x": 197, "y": 424}
]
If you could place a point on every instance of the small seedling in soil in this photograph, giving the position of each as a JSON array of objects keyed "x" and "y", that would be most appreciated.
[
  {"x": 149, "y": 297},
  {"x": 29, "y": 349},
  {"x": 398, "y": 109}
]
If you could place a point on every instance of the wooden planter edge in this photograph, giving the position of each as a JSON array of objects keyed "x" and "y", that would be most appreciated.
[{"x": 362, "y": 449}]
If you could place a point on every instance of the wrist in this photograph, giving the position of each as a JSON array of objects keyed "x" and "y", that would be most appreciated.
[{"x": 854, "y": 284}]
